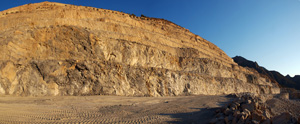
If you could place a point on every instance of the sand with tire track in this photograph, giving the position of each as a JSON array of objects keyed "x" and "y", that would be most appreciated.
[{"x": 109, "y": 109}]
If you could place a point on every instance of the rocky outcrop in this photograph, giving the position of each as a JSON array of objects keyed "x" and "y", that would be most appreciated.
[
  {"x": 274, "y": 76},
  {"x": 59, "y": 49}
]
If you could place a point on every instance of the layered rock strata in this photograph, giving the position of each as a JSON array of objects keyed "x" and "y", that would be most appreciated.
[{"x": 59, "y": 49}]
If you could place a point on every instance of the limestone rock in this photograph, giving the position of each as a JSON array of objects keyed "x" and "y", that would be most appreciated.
[
  {"x": 284, "y": 118},
  {"x": 248, "y": 107},
  {"x": 258, "y": 116},
  {"x": 268, "y": 121},
  {"x": 59, "y": 49}
]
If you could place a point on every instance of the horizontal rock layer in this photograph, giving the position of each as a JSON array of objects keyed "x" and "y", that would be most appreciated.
[{"x": 58, "y": 49}]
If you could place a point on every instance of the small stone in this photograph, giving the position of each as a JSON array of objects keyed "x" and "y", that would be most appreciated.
[
  {"x": 259, "y": 111},
  {"x": 283, "y": 118},
  {"x": 250, "y": 107},
  {"x": 240, "y": 100},
  {"x": 228, "y": 112},
  {"x": 255, "y": 122},
  {"x": 228, "y": 119},
  {"x": 255, "y": 105},
  {"x": 267, "y": 114},
  {"x": 235, "y": 104},
  {"x": 256, "y": 115},
  {"x": 244, "y": 114},
  {"x": 241, "y": 120},
  {"x": 268, "y": 121},
  {"x": 236, "y": 112},
  {"x": 247, "y": 111},
  {"x": 263, "y": 107},
  {"x": 248, "y": 121},
  {"x": 232, "y": 108}
]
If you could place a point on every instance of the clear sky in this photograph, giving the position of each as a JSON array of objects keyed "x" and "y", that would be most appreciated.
[{"x": 265, "y": 31}]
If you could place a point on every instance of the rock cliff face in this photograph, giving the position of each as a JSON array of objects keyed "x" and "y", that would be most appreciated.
[{"x": 59, "y": 49}]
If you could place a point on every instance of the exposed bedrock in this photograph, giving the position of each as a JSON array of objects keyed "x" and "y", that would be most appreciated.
[{"x": 57, "y": 49}]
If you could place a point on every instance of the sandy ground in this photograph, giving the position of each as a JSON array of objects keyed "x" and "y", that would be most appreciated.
[{"x": 109, "y": 109}]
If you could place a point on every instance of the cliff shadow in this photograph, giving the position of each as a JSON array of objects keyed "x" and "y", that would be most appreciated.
[{"x": 203, "y": 115}]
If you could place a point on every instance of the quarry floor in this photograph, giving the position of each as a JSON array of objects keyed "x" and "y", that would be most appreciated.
[{"x": 109, "y": 109}]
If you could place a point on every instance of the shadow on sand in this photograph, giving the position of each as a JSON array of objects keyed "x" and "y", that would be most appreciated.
[{"x": 202, "y": 116}]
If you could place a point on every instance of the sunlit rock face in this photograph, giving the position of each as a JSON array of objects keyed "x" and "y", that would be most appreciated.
[{"x": 59, "y": 49}]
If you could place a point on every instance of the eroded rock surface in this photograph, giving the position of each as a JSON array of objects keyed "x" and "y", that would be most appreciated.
[{"x": 59, "y": 49}]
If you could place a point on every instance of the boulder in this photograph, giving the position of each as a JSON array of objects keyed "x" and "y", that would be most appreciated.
[
  {"x": 267, "y": 114},
  {"x": 258, "y": 116},
  {"x": 236, "y": 113},
  {"x": 228, "y": 112},
  {"x": 242, "y": 120},
  {"x": 268, "y": 121},
  {"x": 283, "y": 118},
  {"x": 249, "y": 107}
]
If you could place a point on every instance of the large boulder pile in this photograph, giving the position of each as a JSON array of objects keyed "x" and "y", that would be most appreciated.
[{"x": 247, "y": 108}]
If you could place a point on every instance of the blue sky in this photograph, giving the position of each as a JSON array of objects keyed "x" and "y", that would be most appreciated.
[{"x": 266, "y": 31}]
